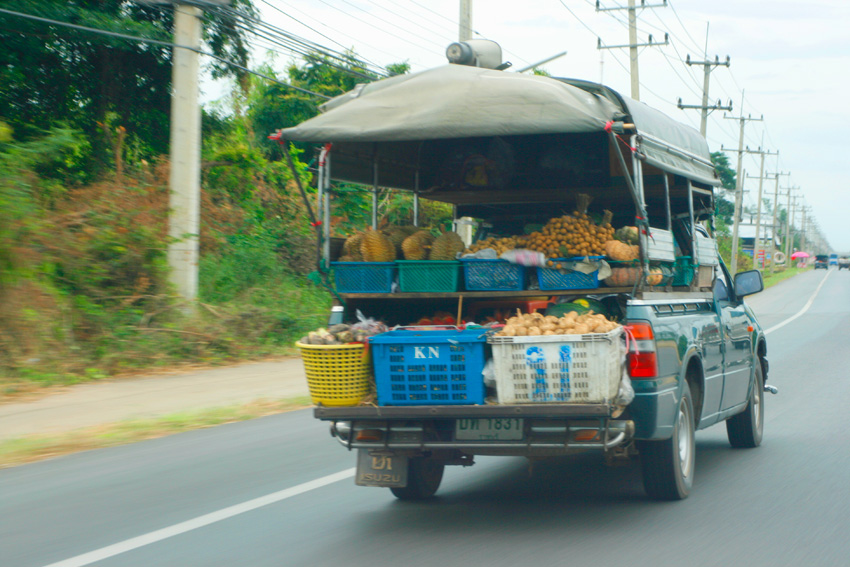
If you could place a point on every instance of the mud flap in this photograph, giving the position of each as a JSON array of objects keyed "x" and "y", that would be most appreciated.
[{"x": 380, "y": 468}]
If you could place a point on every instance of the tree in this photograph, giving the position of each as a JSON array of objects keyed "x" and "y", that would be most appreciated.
[
  {"x": 51, "y": 74},
  {"x": 273, "y": 105},
  {"x": 724, "y": 170}
]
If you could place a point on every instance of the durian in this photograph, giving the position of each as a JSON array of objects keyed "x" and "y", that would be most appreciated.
[
  {"x": 447, "y": 246},
  {"x": 397, "y": 234},
  {"x": 375, "y": 247},
  {"x": 351, "y": 248},
  {"x": 416, "y": 246}
]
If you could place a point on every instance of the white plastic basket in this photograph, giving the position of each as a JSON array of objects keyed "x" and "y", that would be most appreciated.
[{"x": 558, "y": 368}]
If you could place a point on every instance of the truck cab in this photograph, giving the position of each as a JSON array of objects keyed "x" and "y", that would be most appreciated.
[{"x": 514, "y": 152}]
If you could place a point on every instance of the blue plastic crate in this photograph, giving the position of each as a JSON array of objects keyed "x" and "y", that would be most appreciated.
[
  {"x": 492, "y": 275},
  {"x": 429, "y": 367},
  {"x": 363, "y": 277},
  {"x": 550, "y": 279}
]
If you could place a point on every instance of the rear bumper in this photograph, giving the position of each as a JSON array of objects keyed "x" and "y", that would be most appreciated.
[{"x": 548, "y": 429}]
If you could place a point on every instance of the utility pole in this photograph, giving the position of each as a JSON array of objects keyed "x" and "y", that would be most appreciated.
[
  {"x": 789, "y": 222},
  {"x": 803, "y": 237},
  {"x": 778, "y": 174},
  {"x": 761, "y": 178},
  {"x": 633, "y": 42},
  {"x": 739, "y": 181},
  {"x": 465, "y": 21},
  {"x": 185, "y": 184},
  {"x": 707, "y": 68}
]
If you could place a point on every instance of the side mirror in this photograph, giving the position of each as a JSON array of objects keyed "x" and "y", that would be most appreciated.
[{"x": 748, "y": 283}]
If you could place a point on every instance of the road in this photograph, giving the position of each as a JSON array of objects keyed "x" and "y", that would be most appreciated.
[{"x": 279, "y": 491}]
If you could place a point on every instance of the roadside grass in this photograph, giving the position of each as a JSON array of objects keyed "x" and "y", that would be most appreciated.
[
  {"x": 776, "y": 277},
  {"x": 33, "y": 448}
]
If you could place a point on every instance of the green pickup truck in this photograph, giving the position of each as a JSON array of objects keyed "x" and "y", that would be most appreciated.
[{"x": 509, "y": 150}]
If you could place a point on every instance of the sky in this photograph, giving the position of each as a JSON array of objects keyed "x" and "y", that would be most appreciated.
[{"x": 791, "y": 59}]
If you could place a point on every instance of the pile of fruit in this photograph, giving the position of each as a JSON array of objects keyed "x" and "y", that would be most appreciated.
[
  {"x": 343, "y": 334},
  {"x": 400, "y": 242},
  {"x": 438, "y": 318},
  {"x": 500, "y": 245},
  {"x": 571, "y": 323},
  {"x": 570, "y": 236}
]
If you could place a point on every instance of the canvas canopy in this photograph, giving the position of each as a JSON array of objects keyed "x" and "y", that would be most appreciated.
[{"x": 456, "y": 101}]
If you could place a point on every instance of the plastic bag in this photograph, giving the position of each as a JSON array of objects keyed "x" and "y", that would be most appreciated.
[
  {"x": 483, "y": 254},
  {"x": 367, "y": 327},
  {"x": 525, "y": 257},
  {"x": 626, "y": 393},
  {"x": 489, "y": 374}
]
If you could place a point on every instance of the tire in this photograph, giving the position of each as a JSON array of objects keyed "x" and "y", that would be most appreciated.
[
  {"x": 668, "y": 465},
  {"x": 424, "y": 476},
  {"x": 745, "y": 430}
]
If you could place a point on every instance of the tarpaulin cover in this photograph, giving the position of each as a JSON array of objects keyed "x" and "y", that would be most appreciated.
[{"x": 456, "y": 101}]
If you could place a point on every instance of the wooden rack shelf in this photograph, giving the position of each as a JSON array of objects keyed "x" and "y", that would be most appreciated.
[{"x": 487, "y": 294}]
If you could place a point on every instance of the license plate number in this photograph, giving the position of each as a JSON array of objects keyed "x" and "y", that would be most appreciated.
[
  {"x": 380, "y": 469},
  {"x": 486, "y": 429}
]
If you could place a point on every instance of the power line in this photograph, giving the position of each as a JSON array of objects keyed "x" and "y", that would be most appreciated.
[
  {"x": 156, "y": 42},
  {"x": 681, "y": 23},
  {"x": 361, "y": 20},
  {"x": 434, "y": 12},
  {"x": 297, "y": 44},
  {"x": 273, "y": 7},
  {"x": 341, "y": 33},
  {"x": 579, "y": 19},
  {"x": 405, "y": 18}
]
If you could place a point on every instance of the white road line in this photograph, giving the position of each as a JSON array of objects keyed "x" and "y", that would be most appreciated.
[
  {"x": 804, "y": 309},
  {"x": 200, "y": 521}
]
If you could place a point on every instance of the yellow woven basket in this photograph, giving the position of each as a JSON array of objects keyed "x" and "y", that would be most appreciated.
[{"x": 337, "y": 375}]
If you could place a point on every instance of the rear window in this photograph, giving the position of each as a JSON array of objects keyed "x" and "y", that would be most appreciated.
[{"x": 821, "y": 257}]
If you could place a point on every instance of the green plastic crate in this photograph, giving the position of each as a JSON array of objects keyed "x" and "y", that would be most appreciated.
[
  {"x": 683, "y": 271},
  {"x": 428, "y": 275}
]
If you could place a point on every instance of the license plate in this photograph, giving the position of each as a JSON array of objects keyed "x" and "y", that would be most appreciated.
[
  {"x": 487, "y": 429},
  {"x": 376, "y": 469}
]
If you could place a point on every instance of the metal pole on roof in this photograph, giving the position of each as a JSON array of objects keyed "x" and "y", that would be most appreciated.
[{"x": 465, "y": 21}]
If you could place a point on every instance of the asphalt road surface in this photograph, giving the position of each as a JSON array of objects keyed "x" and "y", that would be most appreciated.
[{"x": 279, "y": 491}]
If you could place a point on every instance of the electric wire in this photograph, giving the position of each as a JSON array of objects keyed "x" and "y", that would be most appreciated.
[
  {"x": 300, "y": 45},
  {"x": 273, "y": 7},
  {"x": 139, "y": 39},
  {"x": 419, "y": 14},
  {"x": 361, "y": 20},
  {"x": 439, "y": 33},
  {"x": 340, "y": 33}
]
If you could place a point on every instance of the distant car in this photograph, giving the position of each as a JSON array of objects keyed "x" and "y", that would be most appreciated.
[
  {"x": 844, "y": 263},
  {"x": 822, "y": 261},
  {"x": 833, "y": 259}
]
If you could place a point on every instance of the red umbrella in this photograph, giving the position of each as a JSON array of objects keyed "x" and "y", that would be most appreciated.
[{"x": 796, "y": 255}]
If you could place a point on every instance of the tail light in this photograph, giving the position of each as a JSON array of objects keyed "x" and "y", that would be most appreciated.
[{"x": 641, "y": 355}]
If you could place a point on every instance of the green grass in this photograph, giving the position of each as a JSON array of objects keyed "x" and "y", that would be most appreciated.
[
  {"x": 776, "y": 277},
  {"x": 33, "y": 448}
]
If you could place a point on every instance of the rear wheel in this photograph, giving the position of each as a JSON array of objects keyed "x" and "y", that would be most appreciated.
[
  {"x": 745, "y": 430},
  {"x": 424, "y": 476},
  {"x": 668, "y": 465}
]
